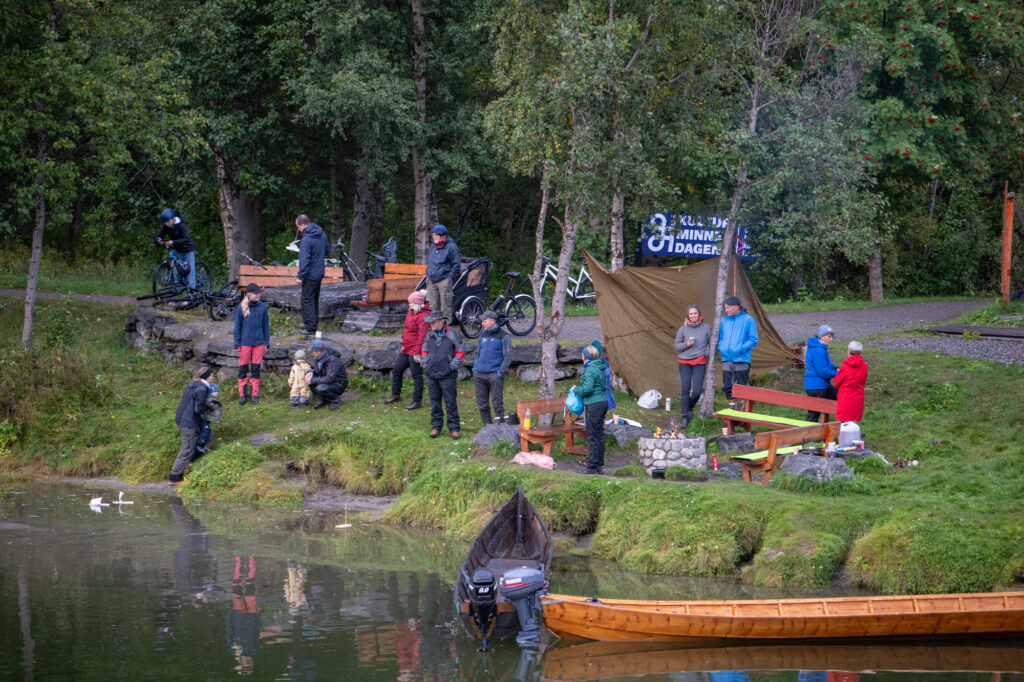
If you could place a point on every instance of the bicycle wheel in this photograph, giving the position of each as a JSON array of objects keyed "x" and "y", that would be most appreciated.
[
  {"x": 203, "y": 280},
  {"x": 221, "y": 303},
  {"x": 585, "y": 295},
  {"x": 469, "y": 317},
  {"x": 521, "y": 315},
  {"x": 162, "y": 278}
]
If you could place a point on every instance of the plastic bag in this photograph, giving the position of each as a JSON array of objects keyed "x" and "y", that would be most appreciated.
[
  {"x": 649, "y": 400},
  {"x": 574, "y": 402}
]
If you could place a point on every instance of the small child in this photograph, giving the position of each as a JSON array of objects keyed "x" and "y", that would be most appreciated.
[
  {"x": 214, "y": 409},
  {"x": 297, "y": 381}
]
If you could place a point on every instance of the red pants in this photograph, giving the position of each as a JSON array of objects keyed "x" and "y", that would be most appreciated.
[{"x": 249, "y": 360}]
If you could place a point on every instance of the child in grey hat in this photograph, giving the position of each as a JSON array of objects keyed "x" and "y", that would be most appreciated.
[{"x": 299, "y": 395}]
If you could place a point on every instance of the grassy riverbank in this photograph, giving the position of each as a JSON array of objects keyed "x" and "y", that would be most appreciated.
[{"x": 83, "y": 404}]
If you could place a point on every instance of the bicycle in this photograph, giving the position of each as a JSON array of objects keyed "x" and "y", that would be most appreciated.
[
  {"x": 173, "y": 272},
  {"x": 517, "y": 312},
  {"x": 219, "y": 304},
  {"x": 357, "y": 274},
  {"x": 580, "y": 288}
]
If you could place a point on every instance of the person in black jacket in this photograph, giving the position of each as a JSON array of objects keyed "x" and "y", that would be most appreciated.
[
  {"x": 444, "y": 263},
  {"x": 312, "y": 250},
  {"x": 189, "y": 418},
  {"x": 328, "y": 378},
  {"x": 175, "y": 235},
  {"x": 441, "y": 359}
]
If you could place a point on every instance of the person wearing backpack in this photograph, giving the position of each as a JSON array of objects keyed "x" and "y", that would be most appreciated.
[{"x": 593, "y": 390}]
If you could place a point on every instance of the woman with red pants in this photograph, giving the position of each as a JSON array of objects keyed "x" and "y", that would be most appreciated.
[{"x": 252, "y": 338}]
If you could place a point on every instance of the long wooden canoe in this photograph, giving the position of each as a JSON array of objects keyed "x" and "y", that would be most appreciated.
[
  {"x": 599, "y": 660},
  {"x": 841, "y": 617},
  {"x": 515, "y": 536}
]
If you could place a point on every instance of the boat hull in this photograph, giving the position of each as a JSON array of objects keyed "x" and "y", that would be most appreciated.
[{"x": 777, "y": 619}]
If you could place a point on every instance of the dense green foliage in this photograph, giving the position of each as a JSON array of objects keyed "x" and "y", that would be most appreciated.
[{"x": 880, "y": 125}]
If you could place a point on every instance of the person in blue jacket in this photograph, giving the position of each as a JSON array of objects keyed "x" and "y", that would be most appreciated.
[
  {"x": 493, "y": 357},
  {"x": 737, "y": 338},
  {"x": 818, "y": 368},
  {"x": 313, "y": 249},
  {"x": 444, "y": 263},
  {"x": 252, "y": 339}
]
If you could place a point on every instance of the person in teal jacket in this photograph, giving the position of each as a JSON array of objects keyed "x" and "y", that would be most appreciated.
[
  {"x": 737, "y": 338},
  {"x": 594, "y": 393}
]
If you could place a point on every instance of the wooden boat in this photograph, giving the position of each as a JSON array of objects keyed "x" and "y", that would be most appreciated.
[
  {"x": 515, "y": 540},
  {"x": 600, "y": 660},
  {"x": 841, "y": 617}
]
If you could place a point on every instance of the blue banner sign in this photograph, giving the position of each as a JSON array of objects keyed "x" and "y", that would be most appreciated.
[{"x": 690, "y": 236}]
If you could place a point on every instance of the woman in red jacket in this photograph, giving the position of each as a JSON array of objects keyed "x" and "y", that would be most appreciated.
[
  {"x": 412, "y": 343},
  {"x": 849, "y": 382}
]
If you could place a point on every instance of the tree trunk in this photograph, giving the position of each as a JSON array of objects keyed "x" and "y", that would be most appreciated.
[
  {"x": 425, "y": 216},
  {"x": 362, "y": 206},
  {"x": 37, "y": 242},
  {"x": 875, "y": 271},
  {"x": 238, "y": 209},
  {"x": 336, "y": 198},
  {"x": 618, "y": 258}
]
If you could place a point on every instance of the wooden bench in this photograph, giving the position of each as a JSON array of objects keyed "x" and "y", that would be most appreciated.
[
  {"x": 770, "y": 447},
  {"x": 748, "y": 395},
  {"x": 280, "y": 275},
  {"x": 546, "y": 434},
  {"x": 400, "y": 280}
]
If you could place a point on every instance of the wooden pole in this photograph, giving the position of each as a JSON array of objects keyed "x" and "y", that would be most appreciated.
[{"x": 1008, "y": 197}]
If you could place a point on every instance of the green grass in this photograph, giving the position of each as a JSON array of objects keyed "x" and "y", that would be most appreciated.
[
  {"x": 813, "y": 306},
  {"x": 994, "y": 314},
  {"x": 58, "y": 274},
  {"x": 84, "y": 404}
]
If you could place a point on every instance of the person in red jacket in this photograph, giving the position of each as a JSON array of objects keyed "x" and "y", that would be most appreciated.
[
  {"x": 412, "y": 343},
  {"x": 849, "y": 382}
]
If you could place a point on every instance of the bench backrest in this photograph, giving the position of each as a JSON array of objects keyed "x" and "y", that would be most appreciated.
[
  {"x": 404, "y": 270},
  {"x": 279, "y": 275},
  {"x": 765, "y": 395},
  {"x": 542, "y": 406},
  {"x": 795, "y": 436}
]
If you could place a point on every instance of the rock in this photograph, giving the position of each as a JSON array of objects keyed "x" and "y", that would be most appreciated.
[
  {"x": 264, "y": 438},
  {"x": 225, "y": 347},
  {"x": 373, "y": 319},
  {"x": 469, "y": 350},
  {"x": 816, "y": 468},
  {"x": 570, "y": 353},
  {"x": 526, "y": 354},
  {"x": 465, "y": 373},
  {"x": 379, "y": 358},
  {"x": 532, "y": 372},
  {"x": 624, "y": 433},
  {"x": 740, "y": 443},
  {"x": 492, "y": 433},
  {"x": 335, "y": 298},
  {"x": 178, "y": 333}
]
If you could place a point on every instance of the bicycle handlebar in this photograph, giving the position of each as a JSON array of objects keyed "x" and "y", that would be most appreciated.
[{"x": 246, "y": 256}]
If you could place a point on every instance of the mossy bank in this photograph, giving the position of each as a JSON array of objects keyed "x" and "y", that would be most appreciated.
[{"x": 83, "y": 404}]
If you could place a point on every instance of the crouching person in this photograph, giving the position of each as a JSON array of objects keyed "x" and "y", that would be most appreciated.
[
  {"x": 328, "y": 378},
  {"x": 189, "y": 418},
  {"x": 441, "y": 359}
]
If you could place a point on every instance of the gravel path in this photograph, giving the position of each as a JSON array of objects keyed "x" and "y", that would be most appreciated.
[
  {"x": 1008, "y": 351},
  {"x": 94, "y": 298}
]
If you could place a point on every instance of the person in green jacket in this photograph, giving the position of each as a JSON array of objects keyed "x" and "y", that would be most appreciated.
[{"x": 595, "y": 404}]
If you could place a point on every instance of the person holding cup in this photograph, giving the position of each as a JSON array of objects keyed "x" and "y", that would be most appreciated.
[{"x": 692, "y": 344}]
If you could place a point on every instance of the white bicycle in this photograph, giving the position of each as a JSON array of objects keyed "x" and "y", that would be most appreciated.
[{"x": 580, "y": 288}]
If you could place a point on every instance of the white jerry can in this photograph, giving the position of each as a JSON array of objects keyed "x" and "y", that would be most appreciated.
[{"x": 848, "y": 433}]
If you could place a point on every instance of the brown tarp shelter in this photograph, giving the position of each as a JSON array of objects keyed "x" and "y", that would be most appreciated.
[{"x": 642, "y": 308}]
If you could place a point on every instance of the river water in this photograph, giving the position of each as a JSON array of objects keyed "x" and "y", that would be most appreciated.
[{"x": 167, "y": 589}]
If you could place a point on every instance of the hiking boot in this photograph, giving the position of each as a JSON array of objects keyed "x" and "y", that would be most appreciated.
[
  {"x": 243, "y": 396},
  {"x": 255, "y": 399},
  {"x": 434, "y": 433},
  {"x": 599, "y": 471},
  {"x": 455, "y": 434},
  {"x": 304, "y": 402},
  {"x": 335, "y": 404},
  {"x": 294, "y": 402},
  {"x": 392, "y": 399},
  {"x": 319, "y": 404},
  {"x": 684, "y": 422},
  {"x": 414, "y": 405}
]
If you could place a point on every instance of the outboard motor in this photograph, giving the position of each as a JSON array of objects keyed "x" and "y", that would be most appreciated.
[
  {"x": 483, "y": 603},
  {"x": 523, "y": 587}
]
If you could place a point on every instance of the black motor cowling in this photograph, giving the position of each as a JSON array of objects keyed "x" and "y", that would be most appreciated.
[
  {"x": 523, "y": 587},
  {"x": 483, "y": 603}
]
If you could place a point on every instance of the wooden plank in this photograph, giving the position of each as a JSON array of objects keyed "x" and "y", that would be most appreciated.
[
  {"x": 267, "y": 281},
  {"x": 765, "y": 395},
  {"x": 268, "y": 271},
  {"x": 404, "y": 269}
]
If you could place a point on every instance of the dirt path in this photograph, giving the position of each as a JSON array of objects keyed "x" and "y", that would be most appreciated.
[{"x": 92, "y": 298}]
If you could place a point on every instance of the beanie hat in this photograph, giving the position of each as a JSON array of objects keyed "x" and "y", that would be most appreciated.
[
  {"x": 317, "y": 343},
  {"x": 300, "y": 354},
  {"x": 732, "y": 300},
  {"x": 825, "y": 329},
  {"x": 417, "y": 298},
  {"x": 599, "y": 347}
]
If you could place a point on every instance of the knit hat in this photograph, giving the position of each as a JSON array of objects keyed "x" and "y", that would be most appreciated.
[
  {"x": 824, "y": 330},
  {"x": 732, "y": 300},
  {"x": 598, "y": 346},
  {"x": 417, "y": 298},
  {"x": 252, "y": 288},
  {"x": 317, "y": 343},
  {"x": 300, "y": 354},
  {"x": 439, "y": 229}
]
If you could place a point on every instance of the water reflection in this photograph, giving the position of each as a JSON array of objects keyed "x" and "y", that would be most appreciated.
[{"x": 172, "y": 589}]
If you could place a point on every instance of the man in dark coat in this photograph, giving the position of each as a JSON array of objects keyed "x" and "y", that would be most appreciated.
[
  {"x": 444, "y": 262},
  {"x": 175, "y": 235},
  {"x": 328, "y": 379},
  {"x": 441, "y": 359},
  {"x": 189, "y": 418},
  {"x": 312, "y": 250}
]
